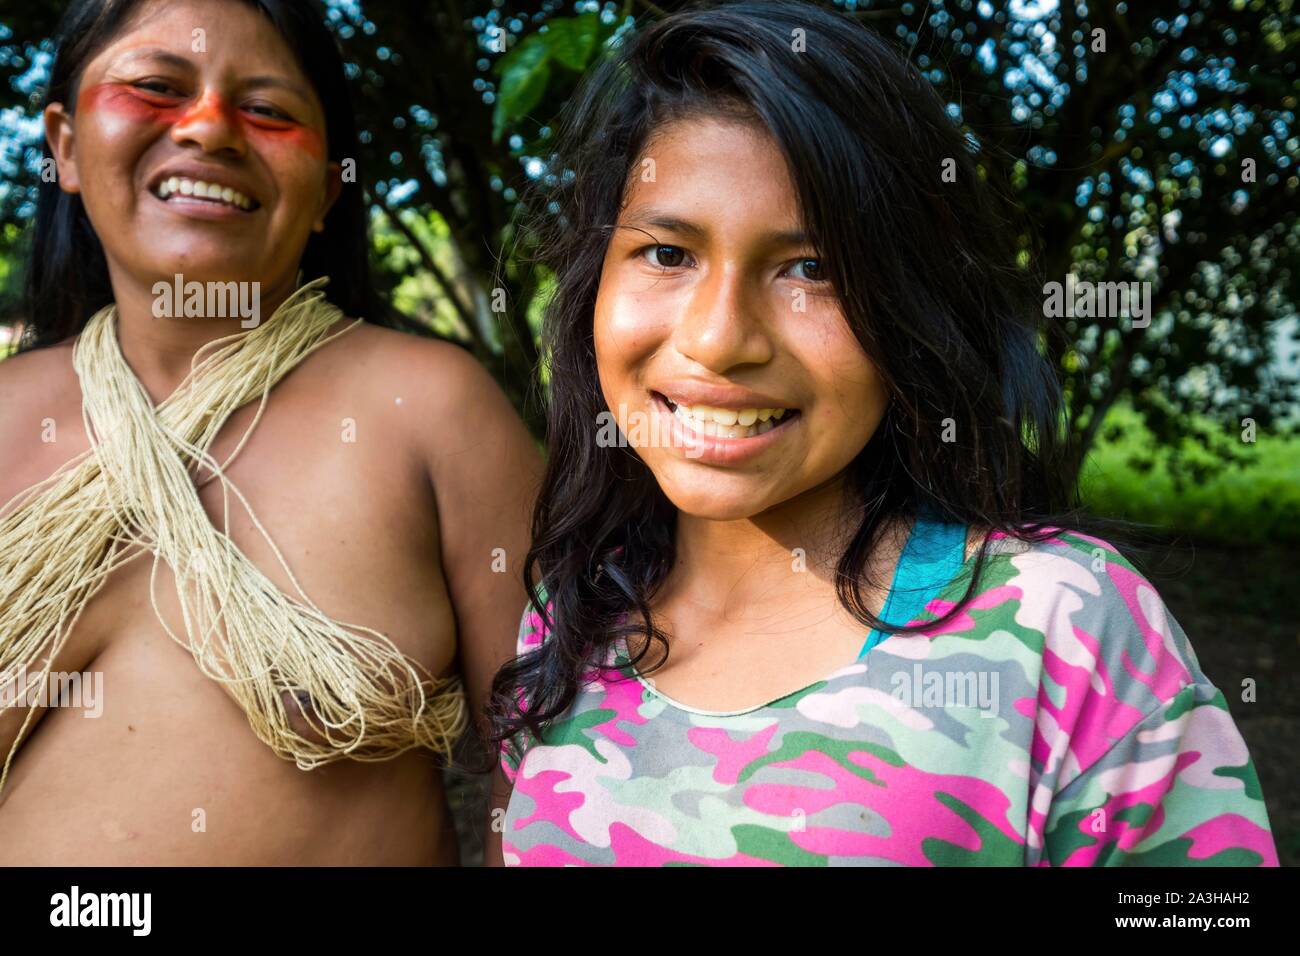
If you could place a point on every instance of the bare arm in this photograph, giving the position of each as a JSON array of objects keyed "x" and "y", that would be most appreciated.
[
  {"x": 485, "y": 470},
  {"x": 498, "y": 798},
  {"x": 40, "y": 431}
]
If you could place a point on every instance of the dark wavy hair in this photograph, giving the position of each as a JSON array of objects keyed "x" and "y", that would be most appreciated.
[
  {"x": 66, "y": 272},
  {"x": 926, "y": 274}
]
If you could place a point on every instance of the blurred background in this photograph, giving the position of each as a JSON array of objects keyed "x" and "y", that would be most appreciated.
[{"x": 1152, "y": 141}]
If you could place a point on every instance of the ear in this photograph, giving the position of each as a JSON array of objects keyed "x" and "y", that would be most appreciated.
[
  {"x": 333, "y": 189},
  {"x": 59, "y": 134}
]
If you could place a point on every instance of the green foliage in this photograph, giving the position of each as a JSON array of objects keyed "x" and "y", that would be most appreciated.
[
  {"x": 525, "y": 71},
  {"x": 567, "y": 43},
  {"x": 1253, "y": 500}
]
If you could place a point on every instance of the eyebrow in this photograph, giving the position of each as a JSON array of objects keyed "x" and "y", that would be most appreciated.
[
  {"x": 686, "y": 227},
  {"x": 255, "y": 82},
  {"x": 155, "y": 53},
  {"x": 276, "y": 82}
]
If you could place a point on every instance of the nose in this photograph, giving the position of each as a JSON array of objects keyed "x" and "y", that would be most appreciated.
[
  {"x": 211, "y": 124},
  {"x": 725, "y": 322}
]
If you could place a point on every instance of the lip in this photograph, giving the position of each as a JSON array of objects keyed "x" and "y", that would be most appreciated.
[
  {"x": 712, "y": 450},
  {"x": 202, "y": 209},
  {"x": 686, "y": 392},
  {"x": 199, "y": 208}
]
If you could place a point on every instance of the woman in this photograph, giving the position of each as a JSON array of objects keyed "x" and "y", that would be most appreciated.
[
  {"x": 270, "y": 540},
  {"x": 825, "y": 364}
]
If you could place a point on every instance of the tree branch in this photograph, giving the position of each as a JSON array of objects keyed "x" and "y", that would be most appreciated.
[{"x": 467, "y": 317}]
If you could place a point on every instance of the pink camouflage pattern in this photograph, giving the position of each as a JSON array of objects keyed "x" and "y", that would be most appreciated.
[{"x": 1061, "y": 719}]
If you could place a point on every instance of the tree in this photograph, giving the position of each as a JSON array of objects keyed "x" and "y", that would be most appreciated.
[{"x": 1146, "y": 142}]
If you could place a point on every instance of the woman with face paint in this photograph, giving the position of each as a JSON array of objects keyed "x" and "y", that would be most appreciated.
[
  {"x": 823, "y": 365},
  {"x": 257, "y": 530}
]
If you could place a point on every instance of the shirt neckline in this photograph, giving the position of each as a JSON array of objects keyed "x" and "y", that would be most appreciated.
[{"x": 622, "y": 658}]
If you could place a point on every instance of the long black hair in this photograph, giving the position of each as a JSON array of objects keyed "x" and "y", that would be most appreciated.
[
  {"x": 926, "y": 272},
  {"x": 66, "y": 272}
]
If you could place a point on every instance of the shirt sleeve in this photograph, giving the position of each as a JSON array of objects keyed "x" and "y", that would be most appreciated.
[
  {"x": 1178, "y": 789},
  {"x": 532, "y": 631},
  {"x": 1136, "y": 758}
]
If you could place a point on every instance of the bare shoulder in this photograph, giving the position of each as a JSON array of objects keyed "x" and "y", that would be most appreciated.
[
  {"x": 480, "y": 460},
  {"x": 39, "y": 383},
  {"x": 40, "y": 416},
  {"x": 47, "y": 367},
  {"x": 446, "y": 404},
  {"x": 417, "y": 359},
  {"x": 434, "y": 378}
]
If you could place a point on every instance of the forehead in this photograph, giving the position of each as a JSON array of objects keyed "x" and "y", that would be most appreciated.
[
  {"x": 715, "y": 168},
  {"x": 226, "y": 36}
]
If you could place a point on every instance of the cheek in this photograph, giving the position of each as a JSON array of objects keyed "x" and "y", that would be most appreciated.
[
  {"x": 110, "y": 118},
  {"x": 850, "y": 390},
  {"x": 300, "y": 187},
  {"x": 291, "y": 142},
  {"x": 624, "y": 340},
  {"x": 125, "y": 108},
  {"x": 629, "y": 325},
  {"x": 123, "y": 103}
]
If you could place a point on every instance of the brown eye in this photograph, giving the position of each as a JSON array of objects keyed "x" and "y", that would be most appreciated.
[
  {"x": 667, "y": 257},
  {"x": 812, "y": 269}
]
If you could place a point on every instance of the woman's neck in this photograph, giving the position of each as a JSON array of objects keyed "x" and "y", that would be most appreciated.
[
  {"x": 160, "y": 348},
  {"x": 743, "y": 568}
]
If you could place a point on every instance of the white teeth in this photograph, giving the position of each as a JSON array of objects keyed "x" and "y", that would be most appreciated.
[
  {"x": 728, "y": 422},
  {"x": 203, "y": 190}
]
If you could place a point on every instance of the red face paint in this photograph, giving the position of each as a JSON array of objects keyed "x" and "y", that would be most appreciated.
[
  {"x": 158, "y": 109},
  {"x": 272, "y": 129},
  {"x": 130, "y": 102}
]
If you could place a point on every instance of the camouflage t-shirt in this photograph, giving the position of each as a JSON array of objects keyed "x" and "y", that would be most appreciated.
[{"x": 1061, "y": 720}]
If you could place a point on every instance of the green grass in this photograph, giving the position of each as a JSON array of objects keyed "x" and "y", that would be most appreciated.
[{"x": 1250, "y": 505}]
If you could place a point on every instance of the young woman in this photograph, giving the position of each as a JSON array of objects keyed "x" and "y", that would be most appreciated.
[
  {"x": 823, "y": 363},
  {"x": 269, "y": 536}
]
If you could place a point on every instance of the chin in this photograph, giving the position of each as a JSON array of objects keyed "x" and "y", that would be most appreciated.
[
  {"x": 201, "y": 265},
  {"x": 717, "y": 500}
]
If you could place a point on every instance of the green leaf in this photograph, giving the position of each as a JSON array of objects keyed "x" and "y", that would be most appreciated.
[
  {"x": 524, "y": 75},
  {"x": 572, "y": 40}
]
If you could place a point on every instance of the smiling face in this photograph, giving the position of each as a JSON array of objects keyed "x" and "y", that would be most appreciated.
[
  {"x": 714, "y": 322},
  {"x": 200, "y": 153}
]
